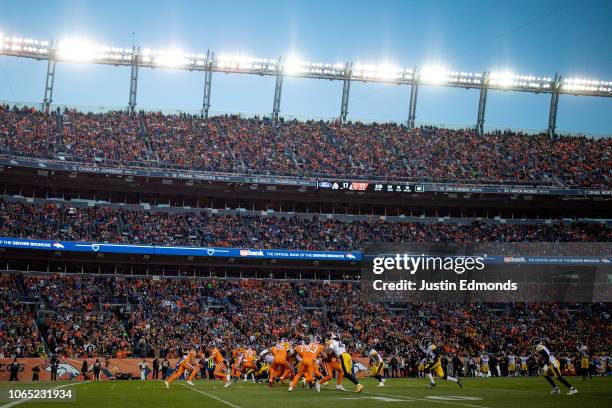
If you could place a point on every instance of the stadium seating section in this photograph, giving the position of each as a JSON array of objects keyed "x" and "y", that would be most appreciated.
[
  {"x": 86, "y": 316},
  {"x": 311, "y": 149},
  {"x": 111, "y": 224}
]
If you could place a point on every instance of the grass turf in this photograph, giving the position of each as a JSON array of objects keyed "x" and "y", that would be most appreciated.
[{"x": 476, "y": 393}]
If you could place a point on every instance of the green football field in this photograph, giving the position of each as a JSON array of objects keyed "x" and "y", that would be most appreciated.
[{"x": 476, "y": 393}]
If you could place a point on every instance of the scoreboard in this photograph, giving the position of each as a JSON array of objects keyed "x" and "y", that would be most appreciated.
[
  {"x": 398, "y": 188},
  {"x": 370, "y": 186}
]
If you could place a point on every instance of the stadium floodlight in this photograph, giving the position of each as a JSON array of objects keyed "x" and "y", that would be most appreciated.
[
  {"x": 388, "y": 71},
  {"x": 81, "y": 50},
  {"x": 503, "y": 79},
  {"x": 21, "y": 46},
  {"x": 293, "y": 66},
  {"x": 173, "y": 58},
  {"x": 385, "y": 72},
  {"x": 506, "y": 80},
  {"x": 77, "y": 49},
  {"x": 586, "y": 85},
  {"x": 434, "y": 75},
  {"x": 244, "y": 63}
]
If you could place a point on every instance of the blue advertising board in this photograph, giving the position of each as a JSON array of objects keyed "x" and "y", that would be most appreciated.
[
  {"x": 300, "y": 255},
  {"x": 95, "y": 247}
]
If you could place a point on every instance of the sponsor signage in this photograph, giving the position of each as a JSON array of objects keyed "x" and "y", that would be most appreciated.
[
  {"x": 331, "y": 184},
  {"x": 7, "y": 242},
  {"x": 93, "y": 247}
]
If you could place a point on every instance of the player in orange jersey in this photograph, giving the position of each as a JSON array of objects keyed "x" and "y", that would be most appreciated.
[
  {"x": 332, "y": 365},
  {"x": 280, "y": 364},
  {"x": 187, "y": 363},
  {"x": 292, "y": 363},
  {"x": 221, "y": 371},
  {"x": 236, "y": 367},
  {"x": 317, "y": 361},
  {"x": 309, "y": 353},
  {"x": 248, "y": 363}
]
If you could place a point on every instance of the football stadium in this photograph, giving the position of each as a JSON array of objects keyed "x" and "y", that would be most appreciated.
[{"x": 198, "y": 255}]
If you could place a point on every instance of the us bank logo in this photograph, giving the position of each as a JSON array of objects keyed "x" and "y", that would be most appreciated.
[
  {"x": 248, "y": 252},
  {"x": 514, "y": 259}
]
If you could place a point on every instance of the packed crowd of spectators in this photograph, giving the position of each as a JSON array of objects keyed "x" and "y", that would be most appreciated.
[
  {"x": 195, "y": 143},
  {"x": 311, "y": 148},
  {"x": 19, "y": 336},
  {"x": 120, "y": 317},
  {"x": 110, "y": 224},
  {"x": 71, "y": 319}
]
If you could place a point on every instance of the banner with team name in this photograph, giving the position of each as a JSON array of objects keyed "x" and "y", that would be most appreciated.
[{"x": 96, "y": 247}]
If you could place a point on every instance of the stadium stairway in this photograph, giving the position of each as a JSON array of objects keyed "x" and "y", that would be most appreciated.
[{"x": 144, "y": 135}]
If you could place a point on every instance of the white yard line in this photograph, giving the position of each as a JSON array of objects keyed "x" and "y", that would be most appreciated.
[
  {"x": 428, "y": 400},
  {"x": 221, "y": 400},
  {"x": 21, "y": 401},
  {"x": 509, "y": 390}
]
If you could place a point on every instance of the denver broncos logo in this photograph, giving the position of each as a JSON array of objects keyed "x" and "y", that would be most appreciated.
[{"x": 65, "y": 369}]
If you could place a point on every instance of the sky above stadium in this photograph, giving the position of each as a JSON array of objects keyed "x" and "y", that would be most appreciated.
[{"x": 571, "y": 37}]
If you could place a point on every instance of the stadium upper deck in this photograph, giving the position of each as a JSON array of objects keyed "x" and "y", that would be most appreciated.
[{"x": 306, "y": 149}]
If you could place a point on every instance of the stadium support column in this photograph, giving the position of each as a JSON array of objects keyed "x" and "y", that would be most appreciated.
[
  {"x": 207, "y": 82},
  {"x": 50, "y": 80},
  {"x": 346, "y": 90},
  {"x": 278, "y": 89},
  {"x": 554, "y": 104},
  {"x": 482, "y": 103},
  {"x": 414, "y": 92},
  {"x": 133, "y": 80}
]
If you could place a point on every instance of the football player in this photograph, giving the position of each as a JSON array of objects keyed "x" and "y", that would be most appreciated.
[
  {"x": 248, "y": 363},
  {"x": 484, "y": 365},
  {"x": 279, "y": 364},
  {"x": 309, "y": 353},
  {"x": 335, "y": 346},
  {"x": 524, "y": 368},
  {"x": 585, "y": 362},
  {"x": 376, "y": 365},
  {"x": 331, "y": 364},
  {"x": 550, "y": 368},
  {"x": 221, "y": 372},
  {"x": 511, "y": 365},
  {"x": 188, "y": 363},
  {"x": 435, "y": 364}
]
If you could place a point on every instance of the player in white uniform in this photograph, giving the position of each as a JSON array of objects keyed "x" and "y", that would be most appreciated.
[
  {"x": 334, "y": 345},
  {"x": 511, "y": 365},
  {"x": 435, "y": 364},
  {"x": 550, "y": 368},
  {"x": 376, "y": 367},
  {"x": 484, "y": 366},
  {"x": 143, "y": 370},
  {"x": 524, "y": 368},
  {"x": 585, "y": 362}
]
